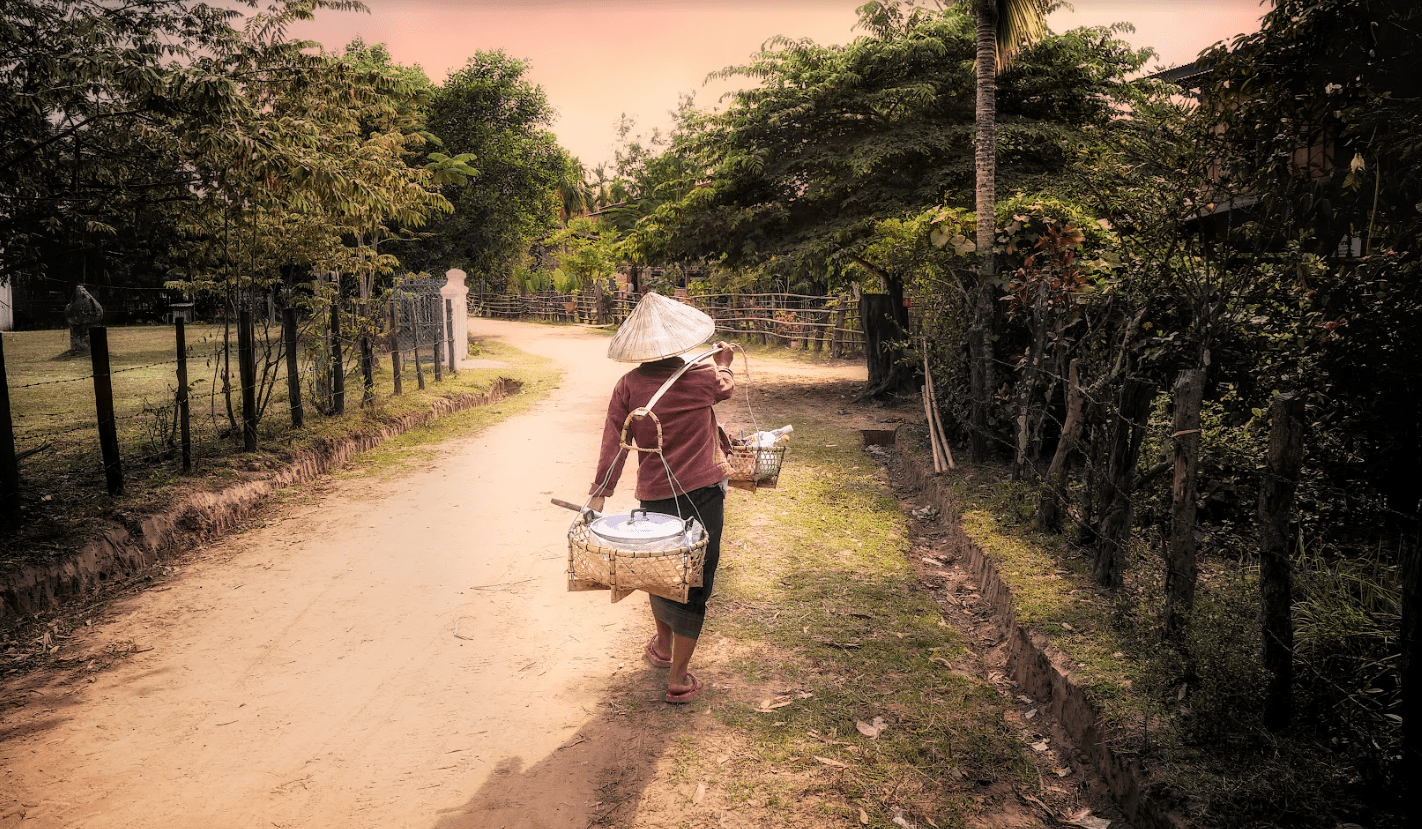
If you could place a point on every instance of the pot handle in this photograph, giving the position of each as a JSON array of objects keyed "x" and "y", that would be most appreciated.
[{"x": 589, "y": 515}]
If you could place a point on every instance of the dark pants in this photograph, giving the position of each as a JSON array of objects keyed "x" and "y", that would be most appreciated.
[{"x": 707, "y": 505}]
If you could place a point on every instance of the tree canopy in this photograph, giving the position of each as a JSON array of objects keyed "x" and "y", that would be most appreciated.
[
  {"x": 490, "y": 111},
  {"x": 796, "y": 173}
]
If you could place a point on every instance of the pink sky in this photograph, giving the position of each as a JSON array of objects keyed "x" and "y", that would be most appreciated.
[{"x": 597, "y": 59}]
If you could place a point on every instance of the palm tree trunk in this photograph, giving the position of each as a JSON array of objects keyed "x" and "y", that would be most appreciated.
[{"x": 980, "y": 333}]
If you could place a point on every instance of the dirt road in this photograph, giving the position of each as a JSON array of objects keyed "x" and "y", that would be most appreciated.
[{"x": 365, "y": 660}]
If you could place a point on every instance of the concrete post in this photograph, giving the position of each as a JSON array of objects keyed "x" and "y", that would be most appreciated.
[{"x": 458, "y": 293}]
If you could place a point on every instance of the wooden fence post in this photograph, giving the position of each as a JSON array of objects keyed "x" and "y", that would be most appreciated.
[
  {"x": 395, "y": 368},
  {"x": 184, "y": 423},
  {"x": 432, "y": 311},
  {"x": 104, "y": 408},
  {"x": 1127, "y": 431},
  {"x": 247, "y": 367},
  {"x": 1181, "y": 570},
  {"x": 293, "y": 374},
  {"x": 1282, "y": 462},
  {"x": 1050, "y": 505},
  {"x": 449, "y": 336},
  {"x": 367, "y": 370},
  {"x": 338, "y": 370},
  {"x": 415, "y": 324},
  {"x": 9, "y": 463}
]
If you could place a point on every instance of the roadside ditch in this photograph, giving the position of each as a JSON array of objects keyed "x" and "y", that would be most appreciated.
[{"x": 968, "y": 586}]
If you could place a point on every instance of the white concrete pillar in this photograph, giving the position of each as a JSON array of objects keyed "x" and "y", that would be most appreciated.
[
  {"x": 7, "y": 309},
  {"x": 458, "y": 293}
]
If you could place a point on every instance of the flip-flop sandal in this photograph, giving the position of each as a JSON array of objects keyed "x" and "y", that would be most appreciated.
[
  {"x": 653, "y": 658},
  {"x": 689, "y": 695}
]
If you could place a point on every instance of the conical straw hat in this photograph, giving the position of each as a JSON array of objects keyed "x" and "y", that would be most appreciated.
[{"x": 657, "y": 328}]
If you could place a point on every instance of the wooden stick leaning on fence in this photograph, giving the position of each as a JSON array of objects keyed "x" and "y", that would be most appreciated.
[
  {"x": 932, "y": 434},
  {"x": 938, "y": 425},
  {"x": 935, "y": 422}
]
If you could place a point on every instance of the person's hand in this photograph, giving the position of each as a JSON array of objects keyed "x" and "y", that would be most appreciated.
[
  {"x": 724, "y": 357},
  {"x": 596, "y": 503}
]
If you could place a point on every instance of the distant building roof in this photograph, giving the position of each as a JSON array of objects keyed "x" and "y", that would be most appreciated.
[{"x": 1185, "y": 76}]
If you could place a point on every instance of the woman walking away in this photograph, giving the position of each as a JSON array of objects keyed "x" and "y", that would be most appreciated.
[{"x": 692, "y": 481}]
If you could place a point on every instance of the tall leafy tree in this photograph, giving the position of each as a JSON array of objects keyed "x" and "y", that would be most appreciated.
[
  {"x": 491, "y": 112},
  {"x": 309, "y": 169},
  {"x": 89, "y": 92}
]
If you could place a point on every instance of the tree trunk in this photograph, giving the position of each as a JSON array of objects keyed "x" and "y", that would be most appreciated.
[
  {"x": 1127, "y": 431},
  {"x": 985, "y": 166},
  {"x": 1031, "y": 382},
  {"x": 1180, "y": 568},
  {"x": 884, "y": 331},
  {"x": 982, "y": 375},
  {"x": 1276, "y": 503},
  {"x": 1054, "y": 491}
]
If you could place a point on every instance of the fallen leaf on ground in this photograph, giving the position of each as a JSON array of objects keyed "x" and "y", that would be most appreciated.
[
  {"x": 1024, "y": 699},
  {"x": 1040, "y": 745},
  {"x": 1066, "y": 626},
  {"x": 941, "y": 661},
  {"x": 1061, "y": 772},
  {"x": 700, "y": 793},
  {"x": 870, "y": 730},
  {"x": 863, "y": 817},
  {"x": 1030, "y": 714},
  {"x": 1086, "y": 820},
  {"x": 828, "y": 762},
  {"x": 900, "y": 821}
]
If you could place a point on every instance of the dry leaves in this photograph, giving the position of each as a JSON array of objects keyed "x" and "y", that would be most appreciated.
[
  {"x": 1086, "y": 820},
  {"x": 870, "y": 730}
]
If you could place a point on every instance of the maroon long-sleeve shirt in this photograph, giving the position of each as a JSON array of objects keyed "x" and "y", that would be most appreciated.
[{"x": 690, "y": 437}]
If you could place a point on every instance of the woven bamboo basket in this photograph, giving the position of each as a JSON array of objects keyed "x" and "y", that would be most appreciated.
[
  {"x": 755, "y": 468},
  {"x": 595, "y": 564}
]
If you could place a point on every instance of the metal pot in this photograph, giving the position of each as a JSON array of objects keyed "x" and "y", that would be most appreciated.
[{"x": 639, "y": 528}]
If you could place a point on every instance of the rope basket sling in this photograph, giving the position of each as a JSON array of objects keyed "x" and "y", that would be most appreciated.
[{"x": 754, "y": 467}]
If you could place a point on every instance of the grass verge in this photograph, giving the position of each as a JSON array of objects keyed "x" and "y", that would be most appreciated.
[{"x": 1189, "y": 715}]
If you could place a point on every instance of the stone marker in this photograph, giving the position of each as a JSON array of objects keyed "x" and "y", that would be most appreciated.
[
  {"x": 84, "y": 311},
  {"x": 457, "y": 292}
]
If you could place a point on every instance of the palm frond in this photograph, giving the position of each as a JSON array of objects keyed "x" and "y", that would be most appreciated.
[{"x": 1019, "y": 22}]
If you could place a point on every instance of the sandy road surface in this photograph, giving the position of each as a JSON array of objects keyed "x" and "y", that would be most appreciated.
[{"x": 364, "y": 661}]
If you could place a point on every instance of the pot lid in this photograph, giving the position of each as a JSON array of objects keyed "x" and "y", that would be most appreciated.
[{"x": 638, "y": 525}]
